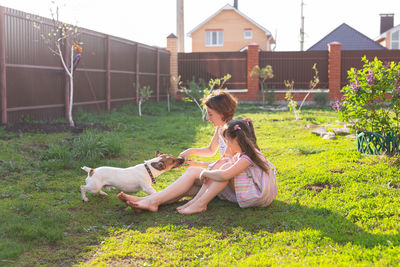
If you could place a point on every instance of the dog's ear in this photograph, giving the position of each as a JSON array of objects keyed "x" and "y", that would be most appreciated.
[
  {"x": 158, "y": 153},
  {"x": 158, "y": 165}
]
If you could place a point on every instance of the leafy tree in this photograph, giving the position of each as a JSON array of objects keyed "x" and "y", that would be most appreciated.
[
  {"x": 263, "y": 74},
  {"x": 289, "y": 97},
  {"x": 197, "y": 92},
  {"x": 144, "y": 94},
  {"x": 64, "y": 35},
  {"x": 312, "y": 88}
]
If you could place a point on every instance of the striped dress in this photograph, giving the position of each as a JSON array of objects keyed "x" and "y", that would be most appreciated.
[{"x": 253, "y": 187}]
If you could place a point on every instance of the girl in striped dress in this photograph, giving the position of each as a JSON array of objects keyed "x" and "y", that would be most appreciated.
[{"x": 246, "y": 177}]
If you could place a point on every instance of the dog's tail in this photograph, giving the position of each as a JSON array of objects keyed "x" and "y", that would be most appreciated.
[{"x": 88, "y": 170}]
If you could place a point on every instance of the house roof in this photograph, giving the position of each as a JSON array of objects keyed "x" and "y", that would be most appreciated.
[
  {"x": 349, "y": 38},
  {"x": 228, "y": 7},
  {"x": 382, "y": 36}
]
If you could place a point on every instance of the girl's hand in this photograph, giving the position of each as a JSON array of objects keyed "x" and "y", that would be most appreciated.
[
  {"x": 202, "y": 176},
  {"x": 190, "y": 163},
  {"x": 185, "y": 154}
]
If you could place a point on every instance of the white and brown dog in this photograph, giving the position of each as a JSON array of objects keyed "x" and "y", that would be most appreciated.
[{"x": 132, "y": 179}]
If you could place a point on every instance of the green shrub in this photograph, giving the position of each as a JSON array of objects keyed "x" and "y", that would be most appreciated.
[
  {"x": 59, "y": 151},
  {"x": 90, "y": 146},
  {"x": 372, "y": 97}
]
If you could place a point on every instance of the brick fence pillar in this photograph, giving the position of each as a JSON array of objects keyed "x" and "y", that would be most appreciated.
[
  {"x": 252, "y": 82},
  {"x": 334, "y": 69},
  {"x": 173, "y": 62}
]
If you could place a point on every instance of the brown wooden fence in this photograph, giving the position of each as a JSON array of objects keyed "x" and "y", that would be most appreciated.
[
  {"x": 34, "y": 82},
  {"x": 352, "y": 59},
  {"x": 295, "y": 66},
  {"x": 211, "y": 65},
  {"x": 292, "y": 66}
]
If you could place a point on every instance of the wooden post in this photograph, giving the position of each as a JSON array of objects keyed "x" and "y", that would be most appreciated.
[
  {"x": 173, "y": 63},
  {"x": 158, "y": 75},
  {"x": 108, "y": 78},
  {"x": 137, "y": 73},
  {"x": 180, "y": 25},
  {"x": 3, "y": 68}
]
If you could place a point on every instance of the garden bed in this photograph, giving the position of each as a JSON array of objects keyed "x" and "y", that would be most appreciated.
[{"x": 48, "y": 127}]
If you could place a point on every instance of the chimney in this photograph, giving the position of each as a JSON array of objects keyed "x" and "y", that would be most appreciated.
[
  {"x": 235, "y": 4},
  {"x": 387, "y": 22}
]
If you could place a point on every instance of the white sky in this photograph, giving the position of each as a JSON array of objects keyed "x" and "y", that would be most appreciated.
[{"x": 151, "y": 21}]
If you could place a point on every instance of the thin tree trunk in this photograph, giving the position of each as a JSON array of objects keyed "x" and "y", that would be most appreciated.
[
  {"x": 71, "y": 88},
  {"x": 169, "y": 109},
  {"x": 71, "y": 96},
  {"x": 263, "y": 93},
  {"x": 71, "y": 81}
]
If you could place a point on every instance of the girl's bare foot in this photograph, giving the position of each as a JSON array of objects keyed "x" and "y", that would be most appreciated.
[
  {"x": 125, "y": 197},
  {"x": 194, "y": 208},
  {"x": 144, "y": 204},
  {"x": 187, "y": 204}
]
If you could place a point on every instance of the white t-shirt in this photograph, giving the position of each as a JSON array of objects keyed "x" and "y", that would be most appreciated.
[{"x": 221, "y": 142}]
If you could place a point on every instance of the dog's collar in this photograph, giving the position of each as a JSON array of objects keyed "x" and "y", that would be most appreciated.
[{"x": 153, "y": 180}]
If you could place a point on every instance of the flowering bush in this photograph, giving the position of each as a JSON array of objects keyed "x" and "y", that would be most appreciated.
[{"x": 371, "y": 100}]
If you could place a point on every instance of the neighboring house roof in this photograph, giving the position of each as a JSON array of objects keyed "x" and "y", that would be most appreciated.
[
  {"x": 382, "y": 36},
  {"x": 228, "y": 7},
  {"x": 349, "y": 38}
]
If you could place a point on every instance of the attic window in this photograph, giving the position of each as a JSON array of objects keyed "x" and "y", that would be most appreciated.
[
  {"x": 214, "y": 38},
  {"x": 395, "y": 40},
  {"x": 248, "y": 34}
]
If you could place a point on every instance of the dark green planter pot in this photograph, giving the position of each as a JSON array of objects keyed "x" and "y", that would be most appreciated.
[{"x": 374, "y": 143}]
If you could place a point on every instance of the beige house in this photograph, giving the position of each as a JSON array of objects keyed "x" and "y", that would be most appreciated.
[
  {"x": 390, "y": 36},
  {"x": 229, "y": 30}
]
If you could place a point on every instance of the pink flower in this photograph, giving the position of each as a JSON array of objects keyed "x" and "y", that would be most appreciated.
[
  {"x": 356, "y": 85},
  {"x": 370, "y": 77},
  {"x": 337, "y": 105}
]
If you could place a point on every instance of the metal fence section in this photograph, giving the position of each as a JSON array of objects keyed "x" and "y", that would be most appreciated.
[
  {"x": 211, "y": 65},
  {"x": 297, "y": 67},
  {"x": 352, "y": 59},
  {"x": 109, "y": 73}
]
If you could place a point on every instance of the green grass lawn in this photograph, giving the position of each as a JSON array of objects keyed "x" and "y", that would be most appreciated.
[{"x": 334, "y": 205}]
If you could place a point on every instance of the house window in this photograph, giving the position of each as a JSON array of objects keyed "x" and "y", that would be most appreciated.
[
  {"x": 214, "y": 38},
  {"x": 395, "y": 40},
  {"x": 248, "y": 34}
]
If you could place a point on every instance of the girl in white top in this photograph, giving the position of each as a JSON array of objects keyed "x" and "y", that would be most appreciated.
[{"x": 220, "y": 106}]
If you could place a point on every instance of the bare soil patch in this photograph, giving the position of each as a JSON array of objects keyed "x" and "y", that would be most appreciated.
[
  {"x": 394, "y": 185},
  {"x": 48, "y": 127},
  {"x": 318, "y": 187}
]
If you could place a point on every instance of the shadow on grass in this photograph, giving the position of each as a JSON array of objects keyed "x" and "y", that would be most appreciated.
[{"x": 223, "y": 216}]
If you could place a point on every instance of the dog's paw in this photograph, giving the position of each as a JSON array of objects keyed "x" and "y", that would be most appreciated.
[
  {"x": 85, "y": 199},
  {"x": 103, "y": 193}
]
